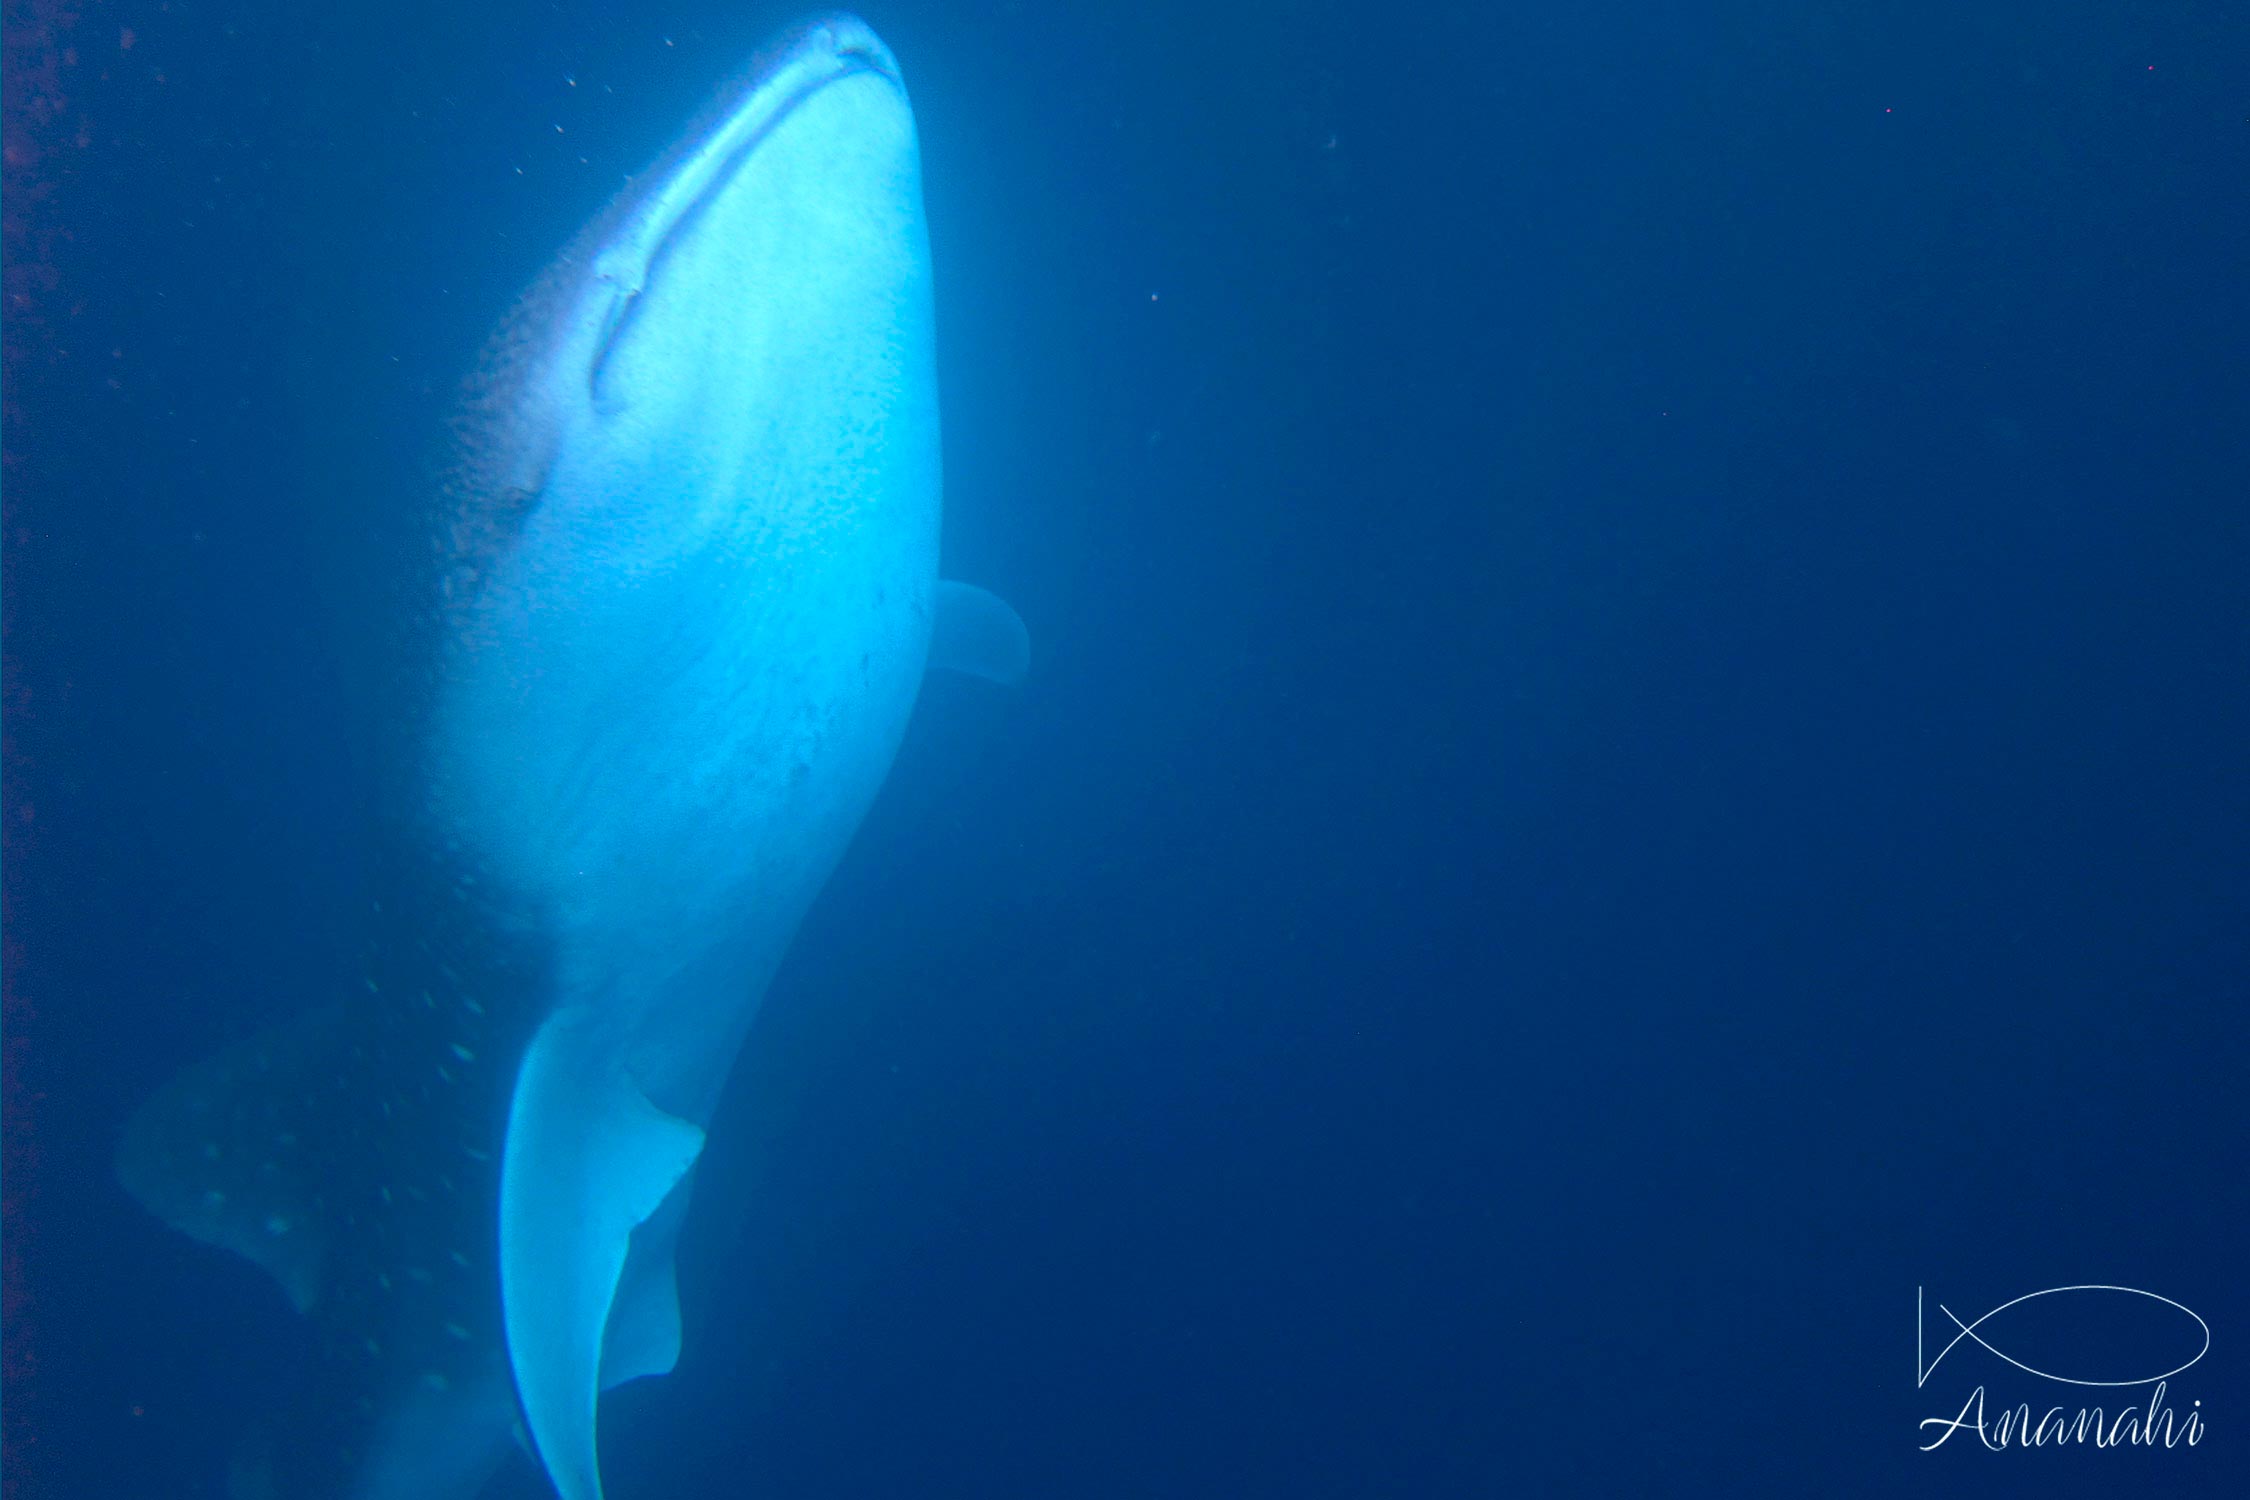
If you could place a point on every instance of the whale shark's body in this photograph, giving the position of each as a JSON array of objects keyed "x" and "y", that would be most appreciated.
[{"x": 689, "y": 595}]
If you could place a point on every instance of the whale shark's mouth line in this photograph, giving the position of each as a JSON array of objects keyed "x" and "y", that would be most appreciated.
[{"x": 852, "y": 60}]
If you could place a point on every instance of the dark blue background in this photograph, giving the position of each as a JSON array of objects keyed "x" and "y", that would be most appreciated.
[{"x": 1637, "y": 744}]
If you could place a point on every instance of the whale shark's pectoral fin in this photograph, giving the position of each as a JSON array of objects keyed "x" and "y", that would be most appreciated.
[
  {"x": 229, "y": 1151},
  {"x": 975, "y": 631},
  {"x": 588, "y": 1158}
]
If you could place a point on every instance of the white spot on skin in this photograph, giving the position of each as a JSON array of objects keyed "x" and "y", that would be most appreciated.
[
  {"x": 457, "y": 1331},
  {"x": 463, "y": 1053}
]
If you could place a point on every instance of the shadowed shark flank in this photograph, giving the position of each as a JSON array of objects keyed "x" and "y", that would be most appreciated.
[{"x": 691, "y": 593}]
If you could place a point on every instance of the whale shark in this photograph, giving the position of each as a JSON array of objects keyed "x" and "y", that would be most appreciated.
[{"x": 686, "y": 594}]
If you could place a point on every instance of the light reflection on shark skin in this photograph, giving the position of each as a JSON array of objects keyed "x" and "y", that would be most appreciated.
[{"x": 689, "y": 593}]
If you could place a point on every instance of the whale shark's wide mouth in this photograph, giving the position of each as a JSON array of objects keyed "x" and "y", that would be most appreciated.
[{"x": 652, "y": 220}]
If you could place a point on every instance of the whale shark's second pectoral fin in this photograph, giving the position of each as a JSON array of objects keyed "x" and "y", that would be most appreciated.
[
  {"x": 228, "y": 1151},
  {"x": 974, "y": 631},
  {"x": 588, "y": 1158}
]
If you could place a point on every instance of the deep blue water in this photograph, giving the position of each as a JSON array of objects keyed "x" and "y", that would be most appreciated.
[{"x": 1636, "y": 746}]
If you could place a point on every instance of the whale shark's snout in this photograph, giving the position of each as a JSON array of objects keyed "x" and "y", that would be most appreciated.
[
  {"x": 773, "y": 203},
  {"x": 779, "y": 248}
]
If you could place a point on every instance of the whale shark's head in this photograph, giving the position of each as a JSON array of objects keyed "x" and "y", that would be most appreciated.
[
  {"x": 700, "y": 534},
  {"x": 767, "y": 279}
]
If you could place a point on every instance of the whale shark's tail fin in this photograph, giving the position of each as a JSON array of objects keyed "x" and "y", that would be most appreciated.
[
  {"x": 227, "y": 1152},
  {"x": 588, "y": 1160}
]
